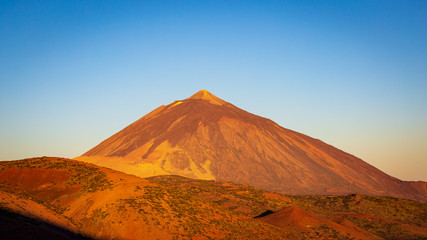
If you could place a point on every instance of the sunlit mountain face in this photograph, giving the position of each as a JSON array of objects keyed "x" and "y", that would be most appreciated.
[{"x": 205, "y": 137}]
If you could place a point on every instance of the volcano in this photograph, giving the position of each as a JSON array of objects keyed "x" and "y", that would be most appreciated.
[{"x": 205, "y": 137}]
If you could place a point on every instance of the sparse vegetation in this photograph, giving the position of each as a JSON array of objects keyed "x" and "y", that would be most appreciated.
[
  {"x": 89, "y": 177},
  {"x": 186, "y": 209}
]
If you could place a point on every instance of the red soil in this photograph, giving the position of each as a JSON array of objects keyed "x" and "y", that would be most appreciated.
[
  {"x": 45, "y": 184},
  {"x": 297, "y": 217}
]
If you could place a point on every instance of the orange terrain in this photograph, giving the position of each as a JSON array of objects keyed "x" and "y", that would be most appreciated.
[
  {"x": 205, "y": 137},
  {"x": 77, "y": 200}
]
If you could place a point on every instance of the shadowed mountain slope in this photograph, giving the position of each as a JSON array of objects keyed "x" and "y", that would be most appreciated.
[
  {"x": 15, "y": 226},
  {"x": 204, "y": 137}
]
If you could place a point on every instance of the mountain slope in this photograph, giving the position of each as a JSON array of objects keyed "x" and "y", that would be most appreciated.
[
  {"x": 68, "y": 199},
  {"x": 102, "y": 203},
  {"x": 293, "y": 216},
  {"x": 205, "y": 137}
]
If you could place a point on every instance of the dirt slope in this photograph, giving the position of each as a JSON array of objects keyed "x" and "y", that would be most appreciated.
[
  {"x": 294, "y": 216},
  {"x": 100, "y": 203},
  {"x": 78, "y": 200}
]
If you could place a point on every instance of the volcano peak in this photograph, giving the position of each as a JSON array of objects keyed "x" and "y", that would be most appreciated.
[
  {"x": 206, "y": 95},
  {"x": 206, "y": 137}
]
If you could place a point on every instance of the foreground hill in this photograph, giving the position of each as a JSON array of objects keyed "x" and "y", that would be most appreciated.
[
  {"x": 204, "y": 137},
  {"x": 77, "y": 200}
]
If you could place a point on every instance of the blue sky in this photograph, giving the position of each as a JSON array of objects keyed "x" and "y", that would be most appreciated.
[{"x": 351, "y": 73}]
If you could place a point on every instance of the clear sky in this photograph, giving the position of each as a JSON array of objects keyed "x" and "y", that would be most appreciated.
[{"x": 351, "y": 73}]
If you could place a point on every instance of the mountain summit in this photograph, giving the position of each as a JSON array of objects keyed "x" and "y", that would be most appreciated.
[
  {"x": 205, "y": 137},
  {"x": 205, "y": 95}
]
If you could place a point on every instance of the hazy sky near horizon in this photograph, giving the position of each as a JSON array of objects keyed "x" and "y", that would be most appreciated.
[{"x": 351, "y": 73}]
